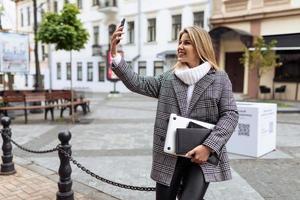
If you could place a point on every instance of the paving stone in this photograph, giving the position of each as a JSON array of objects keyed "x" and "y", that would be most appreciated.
[{"x": 116, "y": 140}]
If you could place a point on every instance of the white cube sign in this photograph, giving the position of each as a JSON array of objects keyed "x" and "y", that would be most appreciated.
[{"x": 255, "y": 134}]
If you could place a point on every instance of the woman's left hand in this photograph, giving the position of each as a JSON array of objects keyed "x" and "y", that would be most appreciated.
[{"x": 199, "y": 154}]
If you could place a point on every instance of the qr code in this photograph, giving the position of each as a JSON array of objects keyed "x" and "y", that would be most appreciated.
[{"x": 244, "y": 129}]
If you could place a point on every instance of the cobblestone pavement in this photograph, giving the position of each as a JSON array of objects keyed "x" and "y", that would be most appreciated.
[
  {"x": 26, "y": 184},
  {"x": 115, "y": 141}
]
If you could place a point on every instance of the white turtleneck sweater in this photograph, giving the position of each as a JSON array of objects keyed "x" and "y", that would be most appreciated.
[{"x": 189, "y": 76}]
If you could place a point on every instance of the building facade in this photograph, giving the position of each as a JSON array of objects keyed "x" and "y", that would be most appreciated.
[
  {"x": 236, "y": 23},
  {"x": 149, "y": 43}
]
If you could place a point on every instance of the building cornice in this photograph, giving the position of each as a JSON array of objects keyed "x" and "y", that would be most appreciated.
[{"x": 254, "y": 16}]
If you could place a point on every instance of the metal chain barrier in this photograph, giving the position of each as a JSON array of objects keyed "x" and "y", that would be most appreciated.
[
  {"x": 58, "y": 148},
  {"x": 26, "y": 149},
  {"x": 92, "y": 174}
]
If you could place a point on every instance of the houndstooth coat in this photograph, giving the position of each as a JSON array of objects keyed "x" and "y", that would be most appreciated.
[{"x": 212, "y": 101}]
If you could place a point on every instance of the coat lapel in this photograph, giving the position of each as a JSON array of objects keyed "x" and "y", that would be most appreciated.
[
  {"x": 181, "y": 94},
  {"x": 200, "y": 87}
]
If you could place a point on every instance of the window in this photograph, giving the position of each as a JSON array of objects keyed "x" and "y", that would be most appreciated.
[
  {"x": 158, "y": 68},
  {"x": 42, "y": 13},
  {"x": 101, "y": 70},
  {"x": 289, "y": 71},
  {"x": 151, "y": 30},
  {"x": 90, "y": 71},
  {"x": 199, "y": 18},
  {"x": 79, "y": 71},
  {"x": 28, "y": 16},
  {"x": 26, "y": 80},
  {"x": 2, "y": 78},
  {"x": 96, "y": 2},
  {"x": 22, "y": 18},
  {"x": 43, "y": 80},
  {"x": 142, "y": 68},
  {"x": 111, "y": 29},
  {"x": 176, "y": 26},
  {"x": 12, "y": 78},
  {"x": 68, "y": 71},
  {"x": 109, "y": 3},
  {"x": 79, "y": 4},
  {"x": 96, "y": 34},
  {"x": 55, "y": 6},
  {"x": 44, "y": 55},
  {"x": 130, "y": 31},
  {"x": 58, "y": 71}
]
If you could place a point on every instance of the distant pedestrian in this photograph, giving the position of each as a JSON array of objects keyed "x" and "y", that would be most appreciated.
[{"x": 193, "y": 88}]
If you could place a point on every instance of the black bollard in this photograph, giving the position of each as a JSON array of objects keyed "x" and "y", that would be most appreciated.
[
  {"x": 7, "y": 166},
  {"x": 65, "y": 191}
]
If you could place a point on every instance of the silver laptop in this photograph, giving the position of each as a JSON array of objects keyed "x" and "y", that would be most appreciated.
[{"x": 175, "y": 122}]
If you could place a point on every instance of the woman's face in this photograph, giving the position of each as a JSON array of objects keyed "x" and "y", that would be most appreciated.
[{"x": 186, "y": 53}]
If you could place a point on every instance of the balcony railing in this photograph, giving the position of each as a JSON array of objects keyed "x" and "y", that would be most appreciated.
[{"x": 108, "y": 6}]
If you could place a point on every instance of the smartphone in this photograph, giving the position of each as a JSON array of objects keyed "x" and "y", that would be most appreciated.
[
  {"x": 122, "y": 22},
  {"x": 121, "y": 25}
]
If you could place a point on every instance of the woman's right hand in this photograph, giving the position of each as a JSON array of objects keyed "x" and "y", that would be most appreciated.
[{"x": 115, "y": 39}]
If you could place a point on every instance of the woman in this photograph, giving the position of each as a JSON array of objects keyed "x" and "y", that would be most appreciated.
[{"x": 194, "y": 88}]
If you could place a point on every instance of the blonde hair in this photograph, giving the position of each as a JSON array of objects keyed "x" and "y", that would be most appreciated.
[{"x": 201, "y": 41}]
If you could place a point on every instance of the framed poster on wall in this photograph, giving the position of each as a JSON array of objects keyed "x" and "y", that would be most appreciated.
[{"x": 14, "y": 52}]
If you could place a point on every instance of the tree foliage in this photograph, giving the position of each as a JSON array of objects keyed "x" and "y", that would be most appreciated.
[
  {"x": 263, "y": 57},
  {"x": 1, "y": 9},
  {"x": 63, "y": 29}
]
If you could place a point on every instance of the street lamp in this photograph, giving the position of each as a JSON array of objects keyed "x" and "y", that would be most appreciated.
[{"x": 37, "y": 84}]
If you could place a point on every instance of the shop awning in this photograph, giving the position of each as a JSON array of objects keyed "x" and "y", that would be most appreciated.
[
  {"x": 245, "y": 37},
  {"x": 285, "y": 40}
]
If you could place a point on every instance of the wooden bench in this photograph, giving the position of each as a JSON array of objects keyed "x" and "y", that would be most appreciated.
[
  {"x": 48, "y": 101},
  {"x": 26, "y": 99},
  {"x": 66, "y": 103},
  {"x": 39, "y": 97},
  {"x": 76, "y": 103}
]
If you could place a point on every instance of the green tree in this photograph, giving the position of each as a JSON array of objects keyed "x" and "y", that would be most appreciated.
[
  {"x": 65, "y": 31},
  {"x": 262, "y": 58}
]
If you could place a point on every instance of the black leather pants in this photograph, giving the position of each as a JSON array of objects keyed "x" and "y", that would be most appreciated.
[{"x": 187, "y": 183}]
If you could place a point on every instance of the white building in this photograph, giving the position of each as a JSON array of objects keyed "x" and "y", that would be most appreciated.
[
  {"x": 149, "y": 44},
  {"x": 7, "y": 14}
]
